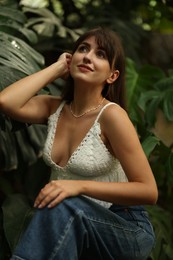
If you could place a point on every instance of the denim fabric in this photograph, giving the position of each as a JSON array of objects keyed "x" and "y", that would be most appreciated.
[{"x": 79, "y": 228}]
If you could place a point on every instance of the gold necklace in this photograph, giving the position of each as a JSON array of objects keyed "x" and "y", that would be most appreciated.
[{"x": 86, "y": 112}]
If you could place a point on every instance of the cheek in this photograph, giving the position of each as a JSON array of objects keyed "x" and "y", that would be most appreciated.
[
  {"x": 72, "y": 64},
  {"x": 72, "y": 69},
  {"x": 104, "y": 69}
]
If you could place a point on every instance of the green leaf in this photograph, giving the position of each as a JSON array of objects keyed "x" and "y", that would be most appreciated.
[
  {"x": 162, "y": 223},
  {"x": 170, "y": 72},
  {"x": 15, "y": 53},
  {"x": 36, "y": 137},
  {"x": 47, "y": 23},
  {"x": 149, "y": 144},
  {"x": 13, "y": 14},
  {"x": 164, "y": 84},
  {"x": 26, "y": 150},
  {"x": 44, "y": 29},
  {"x": 9, "y": 76},
  {"x": 9, "y": 157},
  {"x": 149, "y": 74},
  {"x": 35, "y": 3},
  {"x": 169, "y": 168},
  {"x": 44, "y": 12},
  {"x": 17, "y": 213},
  {"x": 9, "y": 26},
  {"x": 151, "y": 111},
  {"x": 30, "y": 35},
  {"x": 146, "y": 97},
  {"x": 131, "y": 80},
  {"x": 168, "y": 104}
]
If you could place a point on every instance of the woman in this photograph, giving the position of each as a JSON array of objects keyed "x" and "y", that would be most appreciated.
[{"x": 100, "y": 176}]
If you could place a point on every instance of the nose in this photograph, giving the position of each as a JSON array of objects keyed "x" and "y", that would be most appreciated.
[{"x": 87, "y": 57}]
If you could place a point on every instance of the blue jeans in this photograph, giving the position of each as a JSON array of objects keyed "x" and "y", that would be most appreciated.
[{"x": 79, "y": 228}]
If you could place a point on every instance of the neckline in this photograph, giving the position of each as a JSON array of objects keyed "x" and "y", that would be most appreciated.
[{"x": 58, "y": 112}]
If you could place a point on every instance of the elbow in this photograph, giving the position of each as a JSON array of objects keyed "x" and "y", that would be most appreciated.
[
  {"x": 153, "y": 197},
  {"x": 2, "y": 103},
  {"x": 5, "y": 105}
]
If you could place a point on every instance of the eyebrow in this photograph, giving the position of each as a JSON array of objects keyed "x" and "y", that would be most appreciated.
[{"x": 87, "y": 44}]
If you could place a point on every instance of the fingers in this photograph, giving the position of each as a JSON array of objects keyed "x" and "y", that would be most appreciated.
[
  {"x": 68, "y": 59},
  {"x": 47, "y": 195},
  {"x": 57, "y": 200},
  {"x": 56, "y": 191},
  {"x": 65, "y": 58}
]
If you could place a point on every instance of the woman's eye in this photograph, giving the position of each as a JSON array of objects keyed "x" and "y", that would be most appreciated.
[
  {"x": 101, "y": 54},
  {"x": 82, "y": 48}
]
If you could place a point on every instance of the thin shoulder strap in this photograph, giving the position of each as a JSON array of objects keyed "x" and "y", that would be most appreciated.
[
  {"x": 60, "y": 107},
  {"x": 103, "y": 108}
]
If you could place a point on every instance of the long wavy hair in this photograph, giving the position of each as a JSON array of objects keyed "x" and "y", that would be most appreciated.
[{"x": 111, "y": 43}]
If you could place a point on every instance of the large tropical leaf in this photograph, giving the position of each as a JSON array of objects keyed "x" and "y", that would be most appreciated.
[
  {"x": 17, "y": 59},
  {"x": 12, "y": 14},
  {"x": 35, "y": 4},
  {"x": 168, "y": 103},
  {"x": 23, "y": 145},
  {"x": 149, "y": 144},
  {"x": 12, "y": 21},
  {"x": 140, "y": 81},
  {"x": 169, "y": 168},
  {"x": 162, "y": 221},
  {"x": 46, "y": 23},
  {"x": 17, "y": 54},
  {"x": 132, "y": 76},
  {"x": 160, "y": 97},
  {"x": 17, "y": 213}
]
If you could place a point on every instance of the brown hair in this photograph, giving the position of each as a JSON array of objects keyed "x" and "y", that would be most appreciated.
[{"x": 110, "y": 42}]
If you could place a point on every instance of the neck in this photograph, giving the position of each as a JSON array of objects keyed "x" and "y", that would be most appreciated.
[
  {"x": 82, "y": 103},
  {"x": 86, "y": 97}
]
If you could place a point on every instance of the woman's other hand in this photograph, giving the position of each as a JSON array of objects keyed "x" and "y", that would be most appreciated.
[{"x": 56, "y": 191}]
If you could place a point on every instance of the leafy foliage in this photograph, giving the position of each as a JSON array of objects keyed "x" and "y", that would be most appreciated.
[
  {"x": 162, "y": 221},
  {"x": 32, "y": 35},
  {"x": 17, "y": 60},
  {"x": 150, "y": 95},
  {"x": 20, "y": 145}
]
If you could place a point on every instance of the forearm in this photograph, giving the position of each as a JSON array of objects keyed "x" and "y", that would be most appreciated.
[
  {"x": 130, "y": 193},
  {"x": 17, "y": 94}
]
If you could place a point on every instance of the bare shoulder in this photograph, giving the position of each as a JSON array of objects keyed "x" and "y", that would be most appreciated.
[
  {"x": 114, "y": 113},
  {"x": 116, "y": 123}
]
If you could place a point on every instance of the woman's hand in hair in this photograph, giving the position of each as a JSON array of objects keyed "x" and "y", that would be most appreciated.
[{"x": 65, "y": 58}]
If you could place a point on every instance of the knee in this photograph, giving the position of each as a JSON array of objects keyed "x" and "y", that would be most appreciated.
[{"x": 69, "y": 206}]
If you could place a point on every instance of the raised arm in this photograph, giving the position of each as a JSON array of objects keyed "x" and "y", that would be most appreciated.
[{"x": 19, "y": 100}]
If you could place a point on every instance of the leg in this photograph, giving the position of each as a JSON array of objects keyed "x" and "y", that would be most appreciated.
[{"x": 78, "y": 227}]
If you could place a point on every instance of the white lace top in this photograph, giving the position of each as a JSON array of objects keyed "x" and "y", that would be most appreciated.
[{"x": 90, "y": 161}]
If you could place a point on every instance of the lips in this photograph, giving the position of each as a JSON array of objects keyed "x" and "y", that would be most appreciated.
[{"x": 85, "y": 67}]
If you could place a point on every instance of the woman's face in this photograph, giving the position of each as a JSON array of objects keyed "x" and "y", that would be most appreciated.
[{"x": 90, "y": 64}]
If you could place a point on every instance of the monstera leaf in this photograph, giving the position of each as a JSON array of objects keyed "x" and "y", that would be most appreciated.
[
  {"x": 17, "y": 54},
  {"x": 12, "y": 21},
  {"x": 17, "y": 59}
]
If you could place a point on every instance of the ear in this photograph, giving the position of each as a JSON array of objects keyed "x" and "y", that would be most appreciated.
[{"x": 114, "y": 75}]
